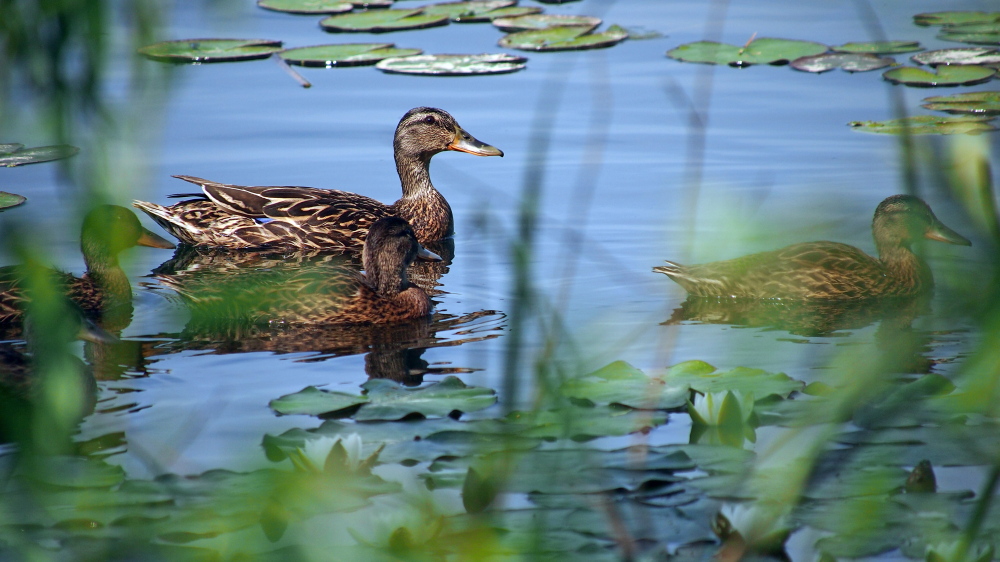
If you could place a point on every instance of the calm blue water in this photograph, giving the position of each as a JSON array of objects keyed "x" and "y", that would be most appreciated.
[{"x": 780, "y": 166}]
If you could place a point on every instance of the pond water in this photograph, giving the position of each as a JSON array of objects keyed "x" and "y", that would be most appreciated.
[{"x": 608, "y": 133}]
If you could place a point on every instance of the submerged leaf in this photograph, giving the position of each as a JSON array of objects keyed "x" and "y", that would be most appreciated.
[
  {"x": 952, "y": 18},
  {"x": 350, "y": 54},
  {"x": 563, "y": 39},
  {"x": 307, "y": 6},
  {"x": 211, "y": 50},
  {"x": 849, "y": 62},
  {"x": 759, "y": 51},
  {"x": 960, "y": 55},
  {"x": 382, "y": 21},
  {"x": 15, "y": 154},
  {"x": 927, "y": 125},
  {"x": 879, "y": 47},
  {"x": 942, "y": 76},
  {"x": 977, "y": 103},
  {"x": 453, "y": 65},
  {"x": 542, "y": 21}
]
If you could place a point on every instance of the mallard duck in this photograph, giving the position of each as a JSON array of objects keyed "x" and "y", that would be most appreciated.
[
  {"x": 107, "y": 231},
  {"x": 322, "y": 293},
  {"x": 306, "y": 218},
  {"x": 829, "y": 270}
]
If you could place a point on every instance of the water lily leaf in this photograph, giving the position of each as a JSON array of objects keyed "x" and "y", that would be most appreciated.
[
  {"x": 952, "y": 18},
  {"x": 759, "y": 51},
  {"x": 382, "y": 21},
  {"x": 7, "y": 148},
  {"x": 758, "y": 382},
  {"x": 560, "y": 38},
  {"x": 314, "y": 402},
  {"x": 621, "y": 383},
  {"x": 210, "y": 50},
  {"x": 349, "y": 54},
  {"x": 307, "y": 6},
  {"x": 390, "y": 400},
  {"x": 467, "y": 11},
  {"x": 879, "y": 47},
  {"x": 849, "y": 62},
  {"x": 509, "y": 12},
  {"x": 979, "y": 33},
  {"x": 960, "y": 55},
  {"x": 977, "y": 103},
  {"x": 77, "y": 472},
  {"x": 372, "y": 4},
  {"x": 16, "y": 155},
  {"x": 964, "y": 75},
  {"x": 8, "y": 200},
  {"x": 584, "y": 423},
  {"x": 453, "y": 65},
  {"x": 927, "y": 125},
  {"x": 541, "y": 21}
]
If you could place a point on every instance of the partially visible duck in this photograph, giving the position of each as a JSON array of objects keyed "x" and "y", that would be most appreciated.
[
  {"x": 321, "y": 294},
  {"x": 829, "y": 270},
  {"x": 306, "y": 218}
]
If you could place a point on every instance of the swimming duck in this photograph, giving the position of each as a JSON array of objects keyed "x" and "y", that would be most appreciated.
[
  {"x": 321, "y": 294},
  {"x": 107, "y": 231},
  {"x": 829, "y": 270},
  {"x": 306, "y": 218}
]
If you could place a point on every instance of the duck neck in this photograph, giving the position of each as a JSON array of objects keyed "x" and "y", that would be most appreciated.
[
  {"x": 104, "y": 270},
  {"x": 386, "y": 280},
  {"x": 904, "y": 266},
  {"x": 422, "y": 205}
]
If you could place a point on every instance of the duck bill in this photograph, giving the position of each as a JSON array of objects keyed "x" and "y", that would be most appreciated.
[
  {"x": 464, "y": 142},
  {"x": 427, "y": 255},
  {"x": 93, "y": 333},
  {"x": 938, "y": 231},
  {"x": 153, "y": 240}
]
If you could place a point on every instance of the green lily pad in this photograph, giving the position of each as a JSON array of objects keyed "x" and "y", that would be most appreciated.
[
  {"x": 307, "y": 6},
  {"x": 758, "y": 382},
  {"x": 541, "y": 21},
  {"x": 960, "y": 55},
  {"x": 77, "y": 472},
  {"x": 563, "y": 39},
  {"x": 965, "y": 75},
  {"x": 952, "y": 18},
  {"x": 979, "y": 33},
  {"x": 372, "y": 4},
  {"x": 621, "y": 383},
  {"x": 453, "y": 65},
  {"x": 879, "y": 47},
  {"x": 8, "y": 200},
  {"x": 927, "y": 125},
  {"x": 382, "y": 21},
  {"x": 15, "y": 154},
  {"x": 465, "y": 11},
  {"x": 388, "y": 400},
  {"x": 211, "y": 50},
  {"x": 509, "y": 12},
  {"x": 759, "y": 51},
  {"x": 849, "y": 62},
  {"x": 350, "y": 54},
  {"x": 976, "y": 103}
]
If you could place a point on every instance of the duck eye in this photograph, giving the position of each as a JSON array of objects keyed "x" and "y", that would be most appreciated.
[{"x": 430, "y": 120}]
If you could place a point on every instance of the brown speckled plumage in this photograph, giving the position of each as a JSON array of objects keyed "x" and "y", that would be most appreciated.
[
  {"x": 306, "y": 218},
  {"x": 829, "y": 270},
  {"x": 323, "y": 293}
]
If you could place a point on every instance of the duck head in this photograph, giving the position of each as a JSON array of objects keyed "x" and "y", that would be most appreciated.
[
  {"x": 110, "y": 229},
  {"x": 901, "y": 219},
  {"x": 391, "y": 246},
  {"x": 426, "y": 131}
]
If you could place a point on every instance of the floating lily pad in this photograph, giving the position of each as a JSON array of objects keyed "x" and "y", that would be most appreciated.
[
  {"x": 372, "y": 4},
  {"x": 850, "y": 62},
  {"x": 350, "y": 54},
  {"x": 952, "y": 18},
  {"x": 979, "y": 33},
  {"x": 563, "y": 39},
  {"x": 541, "y": 21},
  {"x": 927, "y": 125},
  {"x": 465, "y": 11},
  {"x": 976, "y": 103},
  {"x": 879, "y": 47},
  {"x": 307, "y": 6},
  {"x": 960, "y": 55},
  {"x": 943, "y": 76},
  {"x": 15, "y": 154},
  {"x": 759, "y": 51},
  {"x": 211, "y": 50},
  {"x": 621, "y": 383},
  {"x": 510, "y": 12},
  {"x": 8, "y": 200},
  {"x": 453, "y": 65},
  {"x": 758, "y": 382},
  {"x": 382, "y": 21}
]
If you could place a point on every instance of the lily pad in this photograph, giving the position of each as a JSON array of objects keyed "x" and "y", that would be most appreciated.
[
  {"x": 927, "y": 125},
  {"x": 759, "y": 51},
  {"x": 464, "y": 11},
  {"x": 510, "y": 12},
  {"x": 849, "y": 62},
  {"x": 979, "y": 33},
  {"x": 758, "y": 382},
  {"x": 313, "y": 401},
  {"x": 349, "y": 54},
  {"x": 964, "y": 75},
  {"x": 211, "y": 50},
  {"x": 879, "y": 47},
  {"x": 960, "y": 55},
  {"x": 953, "y": 18},
  {"x": 453, "y": 65},
  {"x": 621, "y": 383},
  {"x": 372, "y": 4},
  {"x": 307, "y": 6},
  {"x": 541, "y": 21},
  {"x": 975, "y": 103},
  {"x": 382, "y": 21},
  {"x": 15, "y": 154},
  {"x": 563, "y": 39},
  {"x": 8, "y": 200}
]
